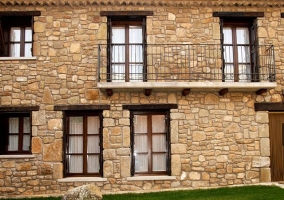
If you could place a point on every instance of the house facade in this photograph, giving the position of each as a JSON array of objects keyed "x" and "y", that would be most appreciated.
[{"x": 140, "y": 95}]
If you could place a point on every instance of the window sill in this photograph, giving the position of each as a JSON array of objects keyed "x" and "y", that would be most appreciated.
[
  {"x": 17, "y": 156},
  {"x": 81, "y": 179},
  {"x": 151, "y": 178},
  {"x": 17, "y": 58}
]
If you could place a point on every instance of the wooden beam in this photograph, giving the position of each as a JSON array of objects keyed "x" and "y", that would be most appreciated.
[
  {"x": 238, "y": 14},
  {"x": 81, "y": 107},
  {"x": 224, "y": 91},
  {"x": 282, "y": 15},
  {"x": 185, "y": 92},
  {"x": 109, "y": 92},
  {"x": 150, "y": 107},
  {"x": 271, "y": 106},
  {"x": 260, "y": 91},
  {"x": 148, "y": 92},
  {"x": 19, "y": 13},
  {"x": 126, "y": 13},
  {"x": 18, "y": 108}
]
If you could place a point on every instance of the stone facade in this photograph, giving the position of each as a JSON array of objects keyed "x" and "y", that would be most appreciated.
[{"x": 215, "y": 140}]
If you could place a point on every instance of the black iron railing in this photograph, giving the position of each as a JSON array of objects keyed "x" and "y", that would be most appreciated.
[{"x": 185, "y": 63}]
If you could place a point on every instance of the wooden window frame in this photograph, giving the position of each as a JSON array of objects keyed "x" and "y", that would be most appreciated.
[
  {"x": 4, "y": 143},
  {"x": 8, "y": 19},
  {"x": 84, "y": 114},
  {"x": 128, "y": 17},
  {"x": 149, "y": 132}
]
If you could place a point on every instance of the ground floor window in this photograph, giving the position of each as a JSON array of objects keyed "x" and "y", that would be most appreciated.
[
  {"x": 15, "y": 136},
  {"x": 150, "y": 143},
  {"x": 83, "y": 138}
]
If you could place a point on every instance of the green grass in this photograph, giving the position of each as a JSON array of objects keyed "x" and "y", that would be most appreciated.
[{"x": 233, "y": 193}]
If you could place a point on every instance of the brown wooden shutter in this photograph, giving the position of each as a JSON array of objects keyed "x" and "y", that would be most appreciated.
[
  {"x": 222, "y": 48},
  {"x": 254, "y": 52}
]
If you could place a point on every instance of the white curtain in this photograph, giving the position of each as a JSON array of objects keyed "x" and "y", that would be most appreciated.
[
  {"x": 93, "y": 144},
  {"x": 76, "y": 144}
]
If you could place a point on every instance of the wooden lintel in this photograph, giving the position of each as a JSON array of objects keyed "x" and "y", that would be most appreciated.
[
  {"x": 147, "y": 92},
  {"x": 224, "y": 91},
  {"x": 185, "y": 92},
  {"x": 260, "y": 91},
  {"x": 270, "y": 106},
  {"x": 18, "y": 108},
  {"x": 81, "y": 107},
  {"x": 109, "y": 92},
  {"x": 238, "y": 14},
  {"x": 150, "y": 107}
]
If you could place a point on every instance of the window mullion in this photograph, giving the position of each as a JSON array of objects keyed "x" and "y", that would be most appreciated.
[
  {"x": 235, "y": 54},
  {"x": 127, "y": 46},
  {"x": 21, "y": 135},
  {"x": 22, "y": 42},
  {"x": 150, "y": 156}
]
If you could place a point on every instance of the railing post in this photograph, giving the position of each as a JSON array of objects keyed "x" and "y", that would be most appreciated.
[{"x": 99, "y": 64}]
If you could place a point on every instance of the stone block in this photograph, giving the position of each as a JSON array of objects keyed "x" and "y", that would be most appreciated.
[
  {"x": 265, "y": 175},
  {"x": 261, "y": 162},
  {"x": 75, "y": 48},
  {"x": 36, "y": 145},
  {"x": 85, "y": 192},
  {"x": 109, "y": 154},
  {"x": 176, "y": 165},
  {"x": 38, "y": 117},
  {"x": 24, "y": 166},
  {"x": 125, "y": 166},
  {"x": 57, "y": 170},
  {"x": 262, "y": 117},
  {"x": 264, "y": 147},
  {"x": 178, "y": 148},
  {"x": 39, "y": 27},
  {"x": 53, "y": 152},
  {"x": 194, "y": 176},
  {"x": 54, "y": 124},
  {"x": 198, "y": 136},
  {"x": 108, "y": 169}
]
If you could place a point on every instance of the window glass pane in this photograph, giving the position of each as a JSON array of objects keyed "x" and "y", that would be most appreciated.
[
  {"x": 75, "y": 144},
  {"x": 14, "y": 125},
  {"x": 13, "y": 143},
  {"x": 159, "y": 143},
  {"x": 76, "y": 164},
  {"x": 118, "y": 73},
  {"x": 229, "y": 73},
  {"x": 93, "y": 164},
  {"x": 15, "y": 34},
  {"x": 93, "y": 144},
  {"x": 26, "y": 142},
  {"x": 93, "y": 125},
  {"x": 118, "y": 35},
  {"x": 135, "y": 34},
  {"x": 243, "y": 54},
  {"x": 141, "y": 143},
  {"x": 76, "y": 125},
  {"x": 28, "y": 34},
  {"x": 245, "y": 73},
  {"x": 15, "y": 50},
  {"x": 118, "y": 53},
  {"x": 159, "y": 162},
  {"x": 27, "y": 126},
  {"x": 140, "y": 124},
  {"x": 158, "y": 124},
  {"x": 242, "y": 35},
  {"x": 28, "y": 50},
  {"x": 227, "y": 32},
  {"x": 136, "y": 72},
  {"x": 141, "y": 163},
  {"x": 228, "y": 54},
  {"x": 135, "y": 53}
]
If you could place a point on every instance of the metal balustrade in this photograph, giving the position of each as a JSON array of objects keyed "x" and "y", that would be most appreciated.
[{"x": 185, "y": 63}]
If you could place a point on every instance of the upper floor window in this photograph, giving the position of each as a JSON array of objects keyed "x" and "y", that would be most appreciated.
[
  {"x": 16, "y": 33},
  {"x": 150, "y": 143},
  {"x": 126, "y": 45},
  {"x": 239, "y": 50},
  {"x": 83, "y": 143},
  {"x": 15, "y": 136}
]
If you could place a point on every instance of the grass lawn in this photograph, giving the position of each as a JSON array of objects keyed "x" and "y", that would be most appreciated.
[{"x": 234, "y": 193}]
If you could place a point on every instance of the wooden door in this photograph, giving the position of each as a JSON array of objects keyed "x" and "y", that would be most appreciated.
[{"x": 276, "y": 130}]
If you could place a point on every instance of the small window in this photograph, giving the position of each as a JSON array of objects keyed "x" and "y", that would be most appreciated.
[
  {"x": 16, "y": 36},
  {"x": 150, "y": 143},
  {"x": 16, "y": 133},
  {"x": 83, "y": 139}
]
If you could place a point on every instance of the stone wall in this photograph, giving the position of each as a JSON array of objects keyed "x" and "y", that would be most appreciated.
[{"x": 215, "y": 140}]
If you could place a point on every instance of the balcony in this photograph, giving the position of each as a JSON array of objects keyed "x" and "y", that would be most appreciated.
[{"x": 185, "y": 68}]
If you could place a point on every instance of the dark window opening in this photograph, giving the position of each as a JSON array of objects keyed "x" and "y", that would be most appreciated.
[
  {"x": 16, "y": 36},
  {"x": 150, "y": 143},
  {"x": 127, "y": 48},
  {"x": 239, "y": 45},
  {"x": 15, "y": 133},
  {"x": 83, "y": 143}
]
